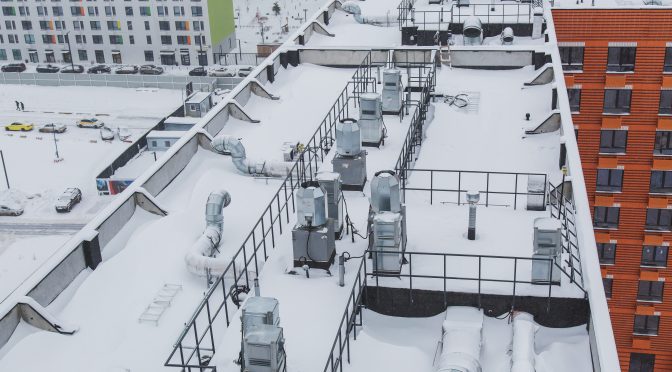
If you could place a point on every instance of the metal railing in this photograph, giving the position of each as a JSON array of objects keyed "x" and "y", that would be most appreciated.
[
  {"x": 564, "y": 209},
  {"x": 196, "y": 343},
  {"x": 251, "y": 59},
  {"x": 462, "y": 181}
]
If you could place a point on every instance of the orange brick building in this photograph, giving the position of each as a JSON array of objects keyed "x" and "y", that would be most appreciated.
[{"x": 618, "y": 71}]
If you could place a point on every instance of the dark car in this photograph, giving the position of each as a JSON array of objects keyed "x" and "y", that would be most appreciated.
[
  {"x": 100, "y": 69},
  {"x": 127, "y": 70},
  {"x": 151, "y": 70},
  {"x": 198, "y": 71},
  {"x": 49, "y": 69},
  {"x": 14, "y": 67},
  {"x": 72, "y": 69},
  {"x": 68, "y": 199}
]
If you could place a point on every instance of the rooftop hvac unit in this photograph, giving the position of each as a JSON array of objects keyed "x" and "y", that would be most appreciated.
[
  {"x": 387, "y": 254},
  {"x": 547, "y": 245},
  {"x": 350, "y": 159},
  {"x": 371, "y": 119},
  {"x": 264, "y": 349},
  {"x": 536, "y": 193},
  {"x": 331, "y": 183},
  {"x": 313, "y": 236},
  {"x": 385, "y": 192},
  {"x": 472, "y": 31},
  {"x": 392, "y": 91},
  {"x": 260, "y": 311}
]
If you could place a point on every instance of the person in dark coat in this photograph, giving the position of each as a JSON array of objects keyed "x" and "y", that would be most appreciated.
[
  {"x": 18, "y": 108},
  {"x": 22, "y": 106}
]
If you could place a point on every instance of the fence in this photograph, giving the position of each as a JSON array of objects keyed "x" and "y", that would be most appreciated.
[
  {"x": 459, "y": 182},
  {"x": 202, "y": 83},
  {"x": 564, "y": 209},
  {"x": 196, "y": 344},
  {"x": 252, "y": 59}
]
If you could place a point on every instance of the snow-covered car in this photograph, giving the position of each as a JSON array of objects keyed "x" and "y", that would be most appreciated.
[
  {"x": 68, "y": 199},
  {"x": 225, "y": 71},
  {"x": 151, "y": 70},
  {"x": 8, "y": 210},
  {"x": 72, "y": 69},
  {"x": 99, "y": 69},
  {"x": 49, "y": 69},
  {"x": 90, "y": 123},
  {"x": 244, "y": 71},
  {"x": 221, "y": 92},
  {"x": 52, "y": 128},
  {"x": 126, "y": 70}
]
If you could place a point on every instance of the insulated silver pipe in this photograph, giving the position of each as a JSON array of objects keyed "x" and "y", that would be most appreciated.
[
  {"x": 199, "y": 258},
  {"x": 229, "y": 145}
]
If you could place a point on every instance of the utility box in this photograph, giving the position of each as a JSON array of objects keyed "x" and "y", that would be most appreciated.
[
  {"x": 371, "y": 119},
  {"x": 352, "y": 170},
  {"x": 536, "y": 193},
  {"x": 387, "y": 243},
  {"x": 198, "y": 104},
  {"x": 547, "y": 236},
  {"x": 392, "y": 91},
  {"x": 264, "y": 349},
  {"x": 260, "y": 311},
  {"x": 315, "y": 247},
  {"x": 541, "y": 267},
  {"x": 331, "y": 183}
]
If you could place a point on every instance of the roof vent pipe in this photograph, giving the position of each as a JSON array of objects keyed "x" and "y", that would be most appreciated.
[
  {"x": 199, "y": 258},
  {"x": 229, "y": 145},
  {"x": 472, "y": 199}
]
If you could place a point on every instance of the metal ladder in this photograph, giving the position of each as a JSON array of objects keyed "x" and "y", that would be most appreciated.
[
  {"x": 159, "y": 304},
  {"x": 444, "y": 53}
]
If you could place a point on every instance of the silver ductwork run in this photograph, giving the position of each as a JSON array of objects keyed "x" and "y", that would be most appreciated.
[
  {"x": 354, "y": 9},
  {"x": 200, "y": 258},
  {"x": 229, "y": 145}
]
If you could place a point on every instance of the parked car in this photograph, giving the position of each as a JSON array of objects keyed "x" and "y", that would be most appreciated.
[
  {"x": 50, "y": 69},
  {"x": 99, "y": 69},
  {"x": 68, "y": 199},
  {"x": 90, "y": 123},
  {"x": 8, "y": 210},
  {"x": 14, "y": 67},
  {"x": 198, "y": 71},
  {"x": 151, "y": 70},
  {"x": 72, "y": 69},
  {"x": 126, "y": 70},
  {"x": 225, "y": 71},
  {"x": 19, "y": 127},
  {"x": 245, "y": 71},
  {"x": 52, "y": 128}
]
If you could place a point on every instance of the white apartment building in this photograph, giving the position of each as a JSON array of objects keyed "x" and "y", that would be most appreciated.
[{"x": 115, "y": 31}]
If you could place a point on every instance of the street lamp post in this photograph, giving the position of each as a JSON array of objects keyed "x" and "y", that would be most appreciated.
[
  {"x": 58, "y": 158},
  {"x": 200, "y": 53},
  {"x": 72, "y": 59},
  {"x": 4, "y": 168}
]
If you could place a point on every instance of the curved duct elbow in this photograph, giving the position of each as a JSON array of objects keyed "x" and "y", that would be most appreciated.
[
  {"x": 354, "y": 9},
  {"x": 229, "y": 145},
  {"x": 200, "y": 258}
]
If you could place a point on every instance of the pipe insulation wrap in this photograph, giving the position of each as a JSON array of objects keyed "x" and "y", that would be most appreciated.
[
  {"x": 229, "y": 145},
  {"x": 199, "y": 258},
  {"x": 354, "y": 9},
  {"x": 522, "y": 346},
  {"x": 461, "y": 340}
]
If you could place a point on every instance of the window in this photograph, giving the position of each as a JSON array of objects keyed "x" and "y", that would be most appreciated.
[
  {"x": 145, "y": 11},
  {"x": 149, "y": 40},
  {"x": 166, "y": 143},
  {"x": 663, "y": 145},
  {"x": 178, "y": 10},
  {"x": 78, "y": 25},
  {"x": 641, "y": 362},
  {"x": 665, "y": 104},
  {"x": 8, "y": 11},
  {"x": 110, "y": 11},
  {"x": 661, "y": 182},
  {"x": 183, "y": 40},
  {"x": 198, "y": 26},
  {"x": 574, "y": 99},
  {"x": 129, "y": 10},
  {"x": 131, "y": 39},
  {"x": 613, "y": 141},
  {"x": 57, "y": 10},
  {"x": 82, "y": 55},
  {"x": 607, "y": 253},
  {"x": 24, "y": 11},
  {"x": 48, "y": 39},
  {"x": 166, "y": 40},
  {"x": 3, "y": 55},
  {"x": 129, "y": 25},
  {"x": 646, "y": 325},
  {"x": 161, "y": 10},
  {"x": 10, "y": 25},
  {"x": 147, "y": 25},
  {"x": 617, "y": 101},
  {"x": 608, "y": 284},
  {"x": 606, "y": 217},
  {"x": 621, "y": 59},
  {"x": 164, "y": 25},
  {"x": 654, "y": 255},
  {"x": 181, "y": 26},
  {"x": 197, "y": 11},
  {"x": 658, "y": 219},
  {"x": 572, "y": 58},
  {"x": 42, "y": 11},
  {"x": 76, "y": 10},
  {"x": 80, "y": 39},
  {"x": 92, "y": 10},
  {"x": 16, "y": 53},
  {"x": 29, "y": 38},
  {"x": 97, "y": 39},
  {"x": 609, "y": 179},
  {"x": 667, "y": 67},
  {"x": 95, "y": 25},
  {"x": 154, "y": 144},
  {"x": 113, "y": 25},
  {"x": 27, "y": 25},
  {"x": 149, "y": 56},
  {"x": 650, "y": 290},
  {"x": 100, "y": 56},
  {"x": 116, "y": 39}
]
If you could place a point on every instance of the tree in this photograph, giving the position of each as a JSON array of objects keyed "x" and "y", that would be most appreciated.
[{"x": 276, "y": 8}]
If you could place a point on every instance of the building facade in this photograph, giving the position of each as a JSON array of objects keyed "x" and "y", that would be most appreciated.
[
  {"x": 184, "y": 33},
  {"x": 618, "y": 71}
]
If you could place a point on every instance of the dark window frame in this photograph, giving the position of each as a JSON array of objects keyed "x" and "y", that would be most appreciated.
[
  {"x": 660, "y": 182},
  {"x": 608, "y": 284},
  {"x": 606, "y": 252},
  {"x": 574, "y": 97},
  {"x": 606, "y": 217},
  {"x": 663, "y": 144},
  {"x": 665, "y": 102},
  {"x": 613, "y": 141},
  {"x": 619, "y": 105},
  {"x": 654, "y": 256},
  {"x": 658, "y": 219},
  {"x": 614, "y": 179},
  {"x": 650, "y": 290},
  {"x": 667, "y": 64},
  {"x": 621, "y": 59},
  {"x": 572, "y": 57},
  {"x": 648, "y": 325}
]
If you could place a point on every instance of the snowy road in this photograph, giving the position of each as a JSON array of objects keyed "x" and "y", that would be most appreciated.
[{"x": 21, "y": 228}]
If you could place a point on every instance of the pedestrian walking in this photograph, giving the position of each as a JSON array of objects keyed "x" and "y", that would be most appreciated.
[
  {"x": 22, "y": 106},
  {"x": 17, "y": 105}
]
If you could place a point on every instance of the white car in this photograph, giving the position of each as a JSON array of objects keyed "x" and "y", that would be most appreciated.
[{"x": 224, "y": 71}]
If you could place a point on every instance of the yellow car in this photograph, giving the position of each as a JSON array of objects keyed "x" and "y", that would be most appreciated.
[
  {"x": 90, "y": 123},
  {"x": 19, "y": 127}
]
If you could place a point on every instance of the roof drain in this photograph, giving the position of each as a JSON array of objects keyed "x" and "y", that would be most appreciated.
[
  {"x": 229, "y": 145},
  {"x": 200, "y": 258}
]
